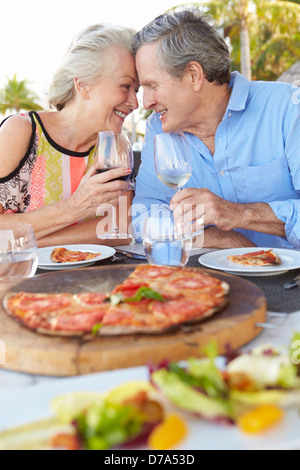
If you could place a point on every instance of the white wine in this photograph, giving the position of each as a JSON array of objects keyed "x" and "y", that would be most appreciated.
[
  {"x": 174, "y": 180},
  {"x": 167, "y": 252}
]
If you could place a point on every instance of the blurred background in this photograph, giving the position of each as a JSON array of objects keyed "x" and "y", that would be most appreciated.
[{"x": 264, "y": 39}]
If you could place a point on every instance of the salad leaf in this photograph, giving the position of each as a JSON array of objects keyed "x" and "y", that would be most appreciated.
[
  {"x": 209, "y": 376},
  {"x": 142, "y": 293},
  {"x": 106, "y": 425},
  {"x": 145, "y": 293},
  {"x": 104, "y": 420},
  {"x": 211, "y": 350},
  {"x": 246, "y": 400},
  {"x": 69, "y": 405},
  {"x": 202, "y": 374},
  {"x": 96, "y": 328},
  {"x": 187, "y": 398}
]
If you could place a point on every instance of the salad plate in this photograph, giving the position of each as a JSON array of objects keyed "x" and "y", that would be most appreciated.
[{"x": 202, "y": 435}]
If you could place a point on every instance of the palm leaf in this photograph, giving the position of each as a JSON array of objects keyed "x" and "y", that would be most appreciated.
[{"x": 18, "y": 96}]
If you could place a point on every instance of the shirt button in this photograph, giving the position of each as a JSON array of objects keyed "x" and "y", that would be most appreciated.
[
  {"x": 229, "y": 114},
  {"x": 222, "y": 172}
]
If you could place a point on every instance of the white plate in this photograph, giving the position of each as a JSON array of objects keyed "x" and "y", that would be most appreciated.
[
  {"x": 290, "y": 259},
  {"x": 46, "y": 263},
  {"x": 202, "y": 435}
]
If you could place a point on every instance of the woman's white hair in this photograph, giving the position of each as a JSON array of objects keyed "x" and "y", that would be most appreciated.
[{"x": 87, "y": 59}]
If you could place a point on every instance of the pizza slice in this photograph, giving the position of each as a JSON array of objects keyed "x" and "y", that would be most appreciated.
[
  {"x": 256, "y": 258},
  {"x": 63, "y": 255}
]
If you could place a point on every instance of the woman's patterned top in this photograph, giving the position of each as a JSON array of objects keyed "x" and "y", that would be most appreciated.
[{"x": 47, "y": 174}]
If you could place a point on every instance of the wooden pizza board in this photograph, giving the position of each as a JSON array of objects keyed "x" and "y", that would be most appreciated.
[{"x": 27, "y": 351}]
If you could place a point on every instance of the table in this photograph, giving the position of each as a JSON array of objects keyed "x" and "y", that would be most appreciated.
[{"x": 283, "y": 318}]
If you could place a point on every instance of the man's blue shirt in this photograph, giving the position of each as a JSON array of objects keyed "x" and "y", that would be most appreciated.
[{"x": 256, "y": 159}]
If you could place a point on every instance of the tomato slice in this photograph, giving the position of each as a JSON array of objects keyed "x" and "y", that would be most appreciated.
[
  {"x": 179, "y": 310},
  {"x": 79, "y": 321},
  {"x": 129, "y": 288},
  {"x": 192, "y": 283},
  {"x": 44, "y": 302},
  {"x": 118, "y": 317},
  {"x": 152, "y": 272},
  {"x": 91, "y": 298}
]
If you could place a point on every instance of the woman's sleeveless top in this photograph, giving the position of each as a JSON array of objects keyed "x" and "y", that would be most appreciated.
[{"x": 47, "y": 174}]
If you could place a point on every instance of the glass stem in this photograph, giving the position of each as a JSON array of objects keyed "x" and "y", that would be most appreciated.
[{"x": 114, "y": 227}]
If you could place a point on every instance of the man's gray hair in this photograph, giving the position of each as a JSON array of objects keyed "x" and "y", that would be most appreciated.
[
  {"x": 87, "y": 59},
  {"x": 185, "y": 36}
]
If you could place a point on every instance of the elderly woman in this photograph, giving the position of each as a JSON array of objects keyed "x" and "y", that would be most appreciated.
[{"x": 48, "y": 176}]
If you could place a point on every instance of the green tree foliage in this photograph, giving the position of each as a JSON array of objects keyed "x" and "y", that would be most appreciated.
[
  {"x": 279, "y": 39},
  {"x": 264, "y": 35},
  {"x": 17, "y": 96}
]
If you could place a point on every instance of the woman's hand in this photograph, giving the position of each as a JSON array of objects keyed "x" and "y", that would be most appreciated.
[{"x": 96, "y": 189}]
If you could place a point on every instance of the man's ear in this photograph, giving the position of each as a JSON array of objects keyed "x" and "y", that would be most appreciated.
[
  {"x": 82, "y": 88},
  {"x": 195, "y": 74}
]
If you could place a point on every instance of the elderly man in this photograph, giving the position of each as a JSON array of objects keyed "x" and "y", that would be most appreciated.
[{"x": 244, "y": 137}]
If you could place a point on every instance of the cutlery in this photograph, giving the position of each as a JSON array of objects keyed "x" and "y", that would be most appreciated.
[
  {"x": 118, "y": 257},
  {"x": 294, "y": 283},
  {"x": 131, "y": 255},
  {"x": 272, "y": 315}
]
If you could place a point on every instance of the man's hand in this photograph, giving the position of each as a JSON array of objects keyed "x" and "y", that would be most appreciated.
[
  {"x": 193, "y": 204},
  {"x": 202, "y": 205}
]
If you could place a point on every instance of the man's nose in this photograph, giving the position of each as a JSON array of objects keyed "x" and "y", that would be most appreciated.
[{"x": 148, "y": 100}]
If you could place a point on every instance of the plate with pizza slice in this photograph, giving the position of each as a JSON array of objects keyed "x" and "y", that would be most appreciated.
[
  {"x": 72, "y": 256},
  {"x": 254, "y": 261}
]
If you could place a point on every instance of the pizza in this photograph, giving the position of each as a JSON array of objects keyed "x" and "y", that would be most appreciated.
[
  {"x": 63, "y": 255},
  {"x": 152, "y": 299},
  {"x": 256, "y": 258}
]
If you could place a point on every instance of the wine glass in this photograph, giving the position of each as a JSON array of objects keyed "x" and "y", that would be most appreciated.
[
  {"x": 163, "y": 242},
  {"x": 18, "y": 252},
  {"x": 173, "y": 166},
  {"x": 113, "y": 150},
  {"x": 172, "y": 159}
]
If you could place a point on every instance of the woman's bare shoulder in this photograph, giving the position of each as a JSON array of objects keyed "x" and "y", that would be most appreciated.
[
  {"x": 15, "y": 135},
  {"x": 17, "y": 122}
]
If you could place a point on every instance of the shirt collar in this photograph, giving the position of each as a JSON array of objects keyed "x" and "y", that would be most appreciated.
[{"x": 240, "y": 91}]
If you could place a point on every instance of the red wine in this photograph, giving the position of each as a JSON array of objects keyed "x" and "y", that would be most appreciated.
[{"x": 124, "y": 178}]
